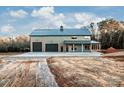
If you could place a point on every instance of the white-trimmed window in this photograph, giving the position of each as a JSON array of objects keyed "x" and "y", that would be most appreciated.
[
  {"x": 87, "y": 37},
  {"x": 73, "y": 37}
]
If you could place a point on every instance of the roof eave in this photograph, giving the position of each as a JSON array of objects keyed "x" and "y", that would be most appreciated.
[{"x": 59, "y": 35}]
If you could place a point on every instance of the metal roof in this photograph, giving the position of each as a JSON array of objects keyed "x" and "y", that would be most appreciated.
[{"x": 58, "y": 32}]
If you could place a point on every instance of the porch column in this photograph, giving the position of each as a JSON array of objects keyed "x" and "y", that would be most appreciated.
[
  {"x": 82, "y": 47},
  {"x": 43, "y": 46},
  {"x": 95, "y": 46},
  {"x": 64, "y": 48},
  {"x": 90, "y": 47},
  {"x": 99, "y": 46}
]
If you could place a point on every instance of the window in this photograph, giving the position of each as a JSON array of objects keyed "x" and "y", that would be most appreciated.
[
  {"x": 87, "y": 37},
  {"x": 73, "y": 37},
  {"x": 87, "y": 47},
  {"x": 66, "y": 48},
  {"x": 72, "y": 48},
  {"x": 61, "y": 48}
]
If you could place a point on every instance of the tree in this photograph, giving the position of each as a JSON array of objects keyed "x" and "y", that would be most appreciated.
[{"x": 112, "y": 33}]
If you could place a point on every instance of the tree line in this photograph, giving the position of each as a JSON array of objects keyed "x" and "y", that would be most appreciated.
[
  {"x": 15, "y": 44},
  {"x": 110, "y": 33}
]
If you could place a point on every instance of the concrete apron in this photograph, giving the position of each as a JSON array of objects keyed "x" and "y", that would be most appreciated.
[{"x": 54, "y": 54}]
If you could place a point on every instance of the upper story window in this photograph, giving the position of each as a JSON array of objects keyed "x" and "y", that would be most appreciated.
[
  {"x": 73, "y": 37},
  {"x": 87, "y": 37}
]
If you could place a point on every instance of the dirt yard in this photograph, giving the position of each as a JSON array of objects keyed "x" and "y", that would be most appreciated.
[
  {"x": 107, "y": 70},
  {"x": 116, "y": 56},
  {"x": 87, "y": 71},
  {"x": 29, "y": 73}
]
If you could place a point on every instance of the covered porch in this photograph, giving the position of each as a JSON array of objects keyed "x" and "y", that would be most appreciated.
[{"x": 81, "y": 46}]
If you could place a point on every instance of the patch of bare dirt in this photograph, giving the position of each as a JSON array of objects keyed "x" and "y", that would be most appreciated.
[
  {"x": 87, "y": 71},
  {"x": 117, "y": 53},
  {"x": 111, "y": 50},
  {"x": 116, "y": 56}
]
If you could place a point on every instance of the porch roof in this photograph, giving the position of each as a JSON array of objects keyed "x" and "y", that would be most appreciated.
[
  {"x": 80, "y": 42},
  {"x": 94, "y": 42},
  {"x": 76, "y": 42}
]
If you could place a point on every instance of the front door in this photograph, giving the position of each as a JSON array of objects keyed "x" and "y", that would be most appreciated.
[
  {"x": 86, "y": 47},
  {"x": 78, "y": 48},
  {"x": 74, "y": 48}
]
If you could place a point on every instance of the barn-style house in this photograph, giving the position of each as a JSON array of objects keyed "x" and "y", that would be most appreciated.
[{"x": 62, "y": 40}]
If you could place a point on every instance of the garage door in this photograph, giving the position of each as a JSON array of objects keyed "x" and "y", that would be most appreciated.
[
  {"x": 51, "y": 47},
  {"x": 37, "y": 46}
]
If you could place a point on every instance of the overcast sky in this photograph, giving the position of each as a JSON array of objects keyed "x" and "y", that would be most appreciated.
[{"x": 22, "y": 20}]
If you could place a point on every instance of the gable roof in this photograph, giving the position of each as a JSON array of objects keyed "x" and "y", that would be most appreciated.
[{"x": 57, "y": 32}]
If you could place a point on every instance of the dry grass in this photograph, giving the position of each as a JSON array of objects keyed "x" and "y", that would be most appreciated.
[
  {"x": 87, "y": 71},
  {"x": 17, "y": 74},
  {"x": 24, "y": 74},
  {"x": 68, "y": 71}
]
